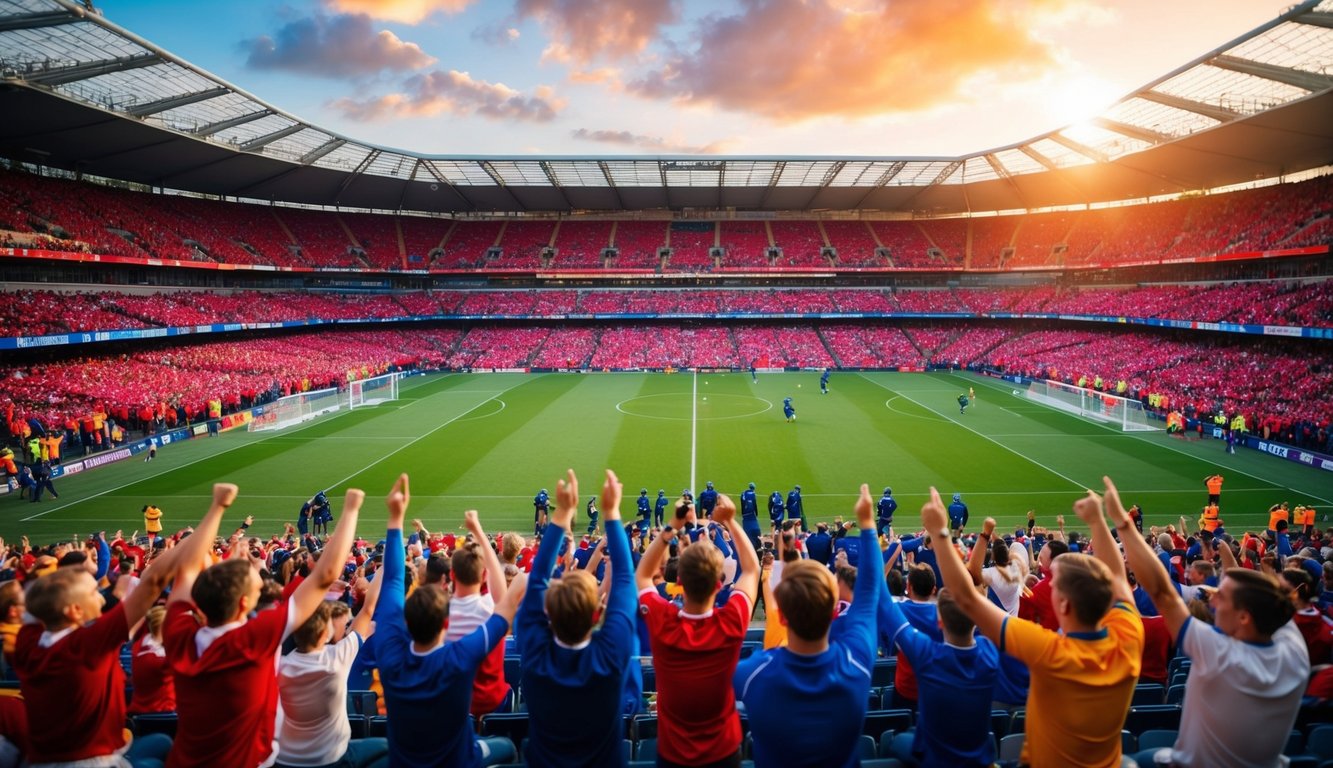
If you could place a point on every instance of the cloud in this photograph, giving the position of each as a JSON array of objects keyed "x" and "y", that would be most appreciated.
[
  {"x": 800, "y": 59},
  {"x": 403, "y": 11},
  {"x": 654, "y": 143},
  {"x": 582, "y": 31},
  {"x": 456, "y": 93},
  {"x": 342, "y": 46},
  {"x": 500, "y": 33}
]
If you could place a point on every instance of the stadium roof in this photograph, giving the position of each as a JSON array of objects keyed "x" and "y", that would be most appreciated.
[{"x": 79, "y": 92}]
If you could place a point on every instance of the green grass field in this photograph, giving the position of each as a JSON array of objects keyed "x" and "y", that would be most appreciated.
[{"x": 490, "y": 441}]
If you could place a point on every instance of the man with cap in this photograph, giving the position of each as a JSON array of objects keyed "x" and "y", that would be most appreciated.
[
  {"x": 659, "y": 508},
  {"x": 707, "y": 499},
  {"x": 886, "y": 507},
  {"x": 795, "y": 509},
  {"x": 645, "y": 509},
  {"x": 957, "y": 513},
  {"x": 750, "y": 515}
]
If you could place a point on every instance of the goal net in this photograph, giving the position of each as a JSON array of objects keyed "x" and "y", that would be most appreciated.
[
  {"x": 380, "y": 389},
  {"x": 295, "y": 409},
  {"x": 1113, "y": 410}
]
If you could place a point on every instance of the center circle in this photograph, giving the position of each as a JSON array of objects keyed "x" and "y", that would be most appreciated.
[{"x": 669, "y": 406}]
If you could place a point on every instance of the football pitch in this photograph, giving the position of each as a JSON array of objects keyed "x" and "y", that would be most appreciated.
[{"x": 491, "y": 441}]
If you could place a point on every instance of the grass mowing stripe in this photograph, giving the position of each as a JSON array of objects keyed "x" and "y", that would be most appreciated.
[{"x": 694, "y": 430}]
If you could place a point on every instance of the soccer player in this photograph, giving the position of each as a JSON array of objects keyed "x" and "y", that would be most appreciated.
[
  {"x": 823, "y": 382},
  {"x": 152, "y": 522},
  {"x": 573, "y": 674},
  {"x": 788, "y": 410},
  {"x": 886, "y": 507},
  {"x": 541, "y": 504},
  {"x": 592, "y": 515},
  {"x": 1252, "y": 660},
  {"x": 1214, "y": 484},
  {"x": 644, "y": 510},
  {"x": 41, "y": 476},
  {"x": 1082, "y": 678},
  {"x": 957, "y": 514},
  {"x": 696, "y": 646},
  {"x": 972, "y": 395},
  {"x": 659, "y": 508},
  {"x": 707, "y": 499},
  {"x": 69, "y": 659},
  {"x": 314, "y": 511},
  {"x": 750, "y": 515},
  {"x": 428, "y": 681},
  {"x": 796, "y": 507},
  {"x": 962, "y": 403},
  {"x": 223, "y": 660},
  {"x": 754, "y": 374},
  {"x": 820, "y": 681},
  {"x": 775, "y": 508}
]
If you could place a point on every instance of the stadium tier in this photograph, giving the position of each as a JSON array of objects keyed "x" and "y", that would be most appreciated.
[{"x": 56, "y": 215}]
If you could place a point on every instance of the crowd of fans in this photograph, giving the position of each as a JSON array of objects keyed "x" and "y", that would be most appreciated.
[
  {"x": 690, "y": 639},
  {"x": 65, "y": 215}
]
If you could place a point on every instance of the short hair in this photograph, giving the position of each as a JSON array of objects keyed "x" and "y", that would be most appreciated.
[
  {"x": 897, "y": 585},
  {"x": 999, "y": 552},
  {"x": 338, "y": 609},
  {"x": 1301, "y": 581},
  {"x": 315, "y": 628},
  {"x": 1205, "y": 567},
  {"x": 1057, "y": 548},
  {"x": 11, "y": 594},
  {"x": 921, "y": 580},
  {"x": 50, "y": 595},
  {"x": 1260, "y": 595},
  {"x": 1087, "y": 583},
  {"x": 846, "y": 574},
  {"x": 1164, "y": 541},
  {"x": 683, "y": 507},
  {"x": 512, "y": 545},
  {"x": 217, "y": 592},
  {"x": 807, "y": 598},
  {"x": 438, "y": 567},
  {"x": 425, "y": 612},
  {"x": 699, "y": 571},
  {"x": 571, "y": 606},
  {"x": 952, "y": 617},
  {"x": 466, "y": 565}
]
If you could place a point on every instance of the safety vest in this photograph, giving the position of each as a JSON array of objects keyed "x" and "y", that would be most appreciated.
[{"x": 1209, "y": 521}]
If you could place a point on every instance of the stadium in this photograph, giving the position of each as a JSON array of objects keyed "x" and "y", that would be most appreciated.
[{"x": 201, "y": 287}]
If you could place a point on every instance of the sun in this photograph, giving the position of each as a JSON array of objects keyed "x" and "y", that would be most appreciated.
[{"x": 1076, "y": 98}]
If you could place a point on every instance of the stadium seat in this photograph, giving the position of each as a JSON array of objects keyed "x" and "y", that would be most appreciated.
[
  {"x": 360, "y": 725},
  {"x": 1128, "y": 742},
  {"x": 866, "y": 747},
  {"x": 999, "y": 721},
  {"x": 1295, "y": 744},
  {"x": 883, "y": 672},
  {"x": 155, "y": 722},
  {"x": 881, "y": 720},
  {"x": 882, "y": 762},
  {"x": 873, "y": 701},
  {"x": 379, "y": 726},
  {"x": 1148, "y": 693},
  {"x": 1319, "y": 743},
  {"x": 643, "y": 727},
  {"x": 513, "y": 670},
  {"x": 646, "y": 749},
  {"x": 511, "y": 725},
  {"x": 750, "y": 647},
  {"x": 1157, "y": 738},
  {"x": 1018, "y": 721},
  {"x": 1177, "y": 664},
  {"x": 1175, "y": 694},
  {"x": 1011, "y": 747},
  {"x": 362, "y": 703},
  {"x": 1152, "y": 717},
  {"x": 754, "y": 635}
]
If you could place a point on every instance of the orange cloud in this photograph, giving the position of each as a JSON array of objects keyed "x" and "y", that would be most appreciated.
[
  {"x": 654, "y": 143},
  {"x": 582, "y": 31},
  {"x": 455, "y": 93},
  {"x": 404, "y": 11},
  {"x": 341, "y": 46},
  {"x": 800, "y": 59}
]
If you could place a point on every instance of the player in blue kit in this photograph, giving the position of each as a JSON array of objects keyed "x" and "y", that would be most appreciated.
[
  {"x": 821, "y": 680},
  {"x": 796, "y": 507},
  {"x": 592, "y": 515},
  {"x": 962, "y": 403},
  {"x": 707, "y": 499},
  {"x": 659, "y": 508},
  {"x": 788, "y": 410},
  {"x": 645, "y": 509},
  {"x": 750, "y": 515},
  {"x": 823, "y": 382},
  {"x": 957, "y": 514},
  {"x": 886, "y": 507},
  {"x": 775, "y": 508},
  {"x": 313, "y": 511},
  {"x": 541, "y": 504}
]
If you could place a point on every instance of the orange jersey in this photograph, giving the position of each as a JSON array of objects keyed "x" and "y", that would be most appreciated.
[
  {"x": 1214, "y": 484},
  {"x": 1276, "y": 515}
]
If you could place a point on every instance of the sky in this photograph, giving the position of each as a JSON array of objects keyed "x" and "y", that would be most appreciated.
[{"x": 659, "y": 77}]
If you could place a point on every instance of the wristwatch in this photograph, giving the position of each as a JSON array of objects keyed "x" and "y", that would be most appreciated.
[{"x": 944, "y": 533}]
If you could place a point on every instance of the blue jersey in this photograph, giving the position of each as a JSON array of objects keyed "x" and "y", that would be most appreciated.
[
  {"x": 823, "y": 380},
  {"x": 887, "y": 506},
  {"x": 541, "y": 502},
  {"x": 795, "y": 509},
  {"x": 958, "y": 514},
  {"x": 645, "y": 509},
  {"x": 707, "y": 500},
  {"x": 787, "y": 410},
  {"x": 749, "y": 505},
  {"x": 661, "y": 505},
  {"x": 775, "y": 507}
]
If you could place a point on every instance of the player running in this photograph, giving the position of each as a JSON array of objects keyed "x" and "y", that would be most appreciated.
[
  {"x": 962, "y": 403},
  {"x": 788, "y": 410},
  {"x": 823, "y": 382}
]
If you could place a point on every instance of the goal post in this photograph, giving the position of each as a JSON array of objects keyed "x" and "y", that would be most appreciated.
[
  {"x": 380, "y": 389},
  {"x": 1112, "y": 410},
  {"x": 297, "y": 408}
]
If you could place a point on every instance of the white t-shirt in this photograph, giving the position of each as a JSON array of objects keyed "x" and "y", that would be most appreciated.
[
  {"x": 312, "y": 688},
  {"x": 466, "y": 614},
  {"x": 1241, "y": 699},
  {"x": 1009, "y": 592}
]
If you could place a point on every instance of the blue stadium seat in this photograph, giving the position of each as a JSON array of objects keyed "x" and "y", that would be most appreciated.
[
  {"x": 866, "y": 748},
  {"x": 155, "y": 722},
  {"x": 1129, "y": 743},
  {"x": 360, "y": 725},
  {"x": 646, "y": 750},
  {"x": 1178, "y": 664},
  {"x": 1018, "y": 722},
  {"x": 1152, "y": 716},
  {"x": 511, "y": 725},
  {"x": 873, "y": 701},
  {"x": 1157, "y": 738},
  {"x": 883, "y": 762},
  {"x": 1175, "y": 694},
  {"x": 1319, "y": 743},
  {"x": 999, "y": 721},
  {"x": 1295, "y": 744},
  {"x": 649, "y": 680},
  {"x": 643, "y": 726},
  {"x": 1148, "y": 693},
  {"x": 882, "y": 674},
  {"x": 513, "y": 670},
  {"x": 755, "y": 635},
  {"x": 1011, "y": 747},
  {"x": 379, "y": 726},
  {"x": 750, "y": 647},
  {"x": 362, "y": 703},
  {"x": 881, "y": 720}
]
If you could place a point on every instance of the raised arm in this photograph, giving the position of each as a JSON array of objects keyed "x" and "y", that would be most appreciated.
[
  {"x": 748, "y": 560},
  {"x": 1227, "y": 557},
  {"x": 364, "y": 623},
  {"x": 1143, "y": 561},
  {"x": 495, "y": 570},
  {"x": 622, "y": 599},
  {"x": 976, "y": 558},
  {"x": 1089, "y": 510},
  {"x": 651, "y": 560},
  {"x": 391, "y": 601},
  {"x": 988, "y": 617},
  {"x": 192, "y": 553},
  {"x": 310, "y": 594}
]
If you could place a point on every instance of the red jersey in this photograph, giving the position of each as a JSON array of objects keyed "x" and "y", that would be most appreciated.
[
  {"x": 154, "y": 690},
  {"x": 1318, "y": 634},
  {"x": 1039, "y": 604},
  {"x": 74, "y": 690},
  {"x": 236, "y": 675},
  {"x": 695, "y": 658},
  {"x": 1156, "y": 649}
]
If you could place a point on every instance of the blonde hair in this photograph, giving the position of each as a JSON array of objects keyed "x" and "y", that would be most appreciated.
[
  {"x": 153, "y": 620},
  {"x": 1087, "y": 583},
  {"x": 699, "y": 571}
]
